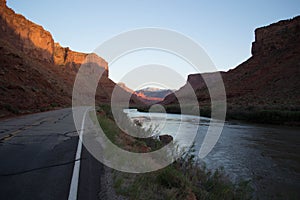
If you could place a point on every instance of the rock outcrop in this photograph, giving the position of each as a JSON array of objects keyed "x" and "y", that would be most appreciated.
[
  {"x": 165, "y": 139},
  {"x": 2, "y": 3},
  {"x": 27, "y": 36},
  {"x": 279, "y": 36},
  {"x": 64, "y": 56},
  {"x": 37, "y": 43},
  {"x": 268, "y": 80}
]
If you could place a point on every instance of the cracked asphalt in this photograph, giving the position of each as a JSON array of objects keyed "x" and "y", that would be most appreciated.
[{"x": 37, "y": 155}]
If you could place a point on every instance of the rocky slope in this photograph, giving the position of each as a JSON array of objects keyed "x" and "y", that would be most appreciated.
[
  {"x": 36, "y": 73},
  {"x": 267, "y": 81}
]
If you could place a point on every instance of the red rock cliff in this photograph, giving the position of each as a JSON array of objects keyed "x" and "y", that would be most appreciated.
[
  {"x": 37, "y": 43},
  {"x": 282, "y": 35},
  {"x": 269, "y": 79},
  {"x": 27, "y": 36},
  {"x": 63, "y": 56}
]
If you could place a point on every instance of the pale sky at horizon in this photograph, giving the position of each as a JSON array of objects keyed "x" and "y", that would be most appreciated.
[{"x": 224, "y": 30}]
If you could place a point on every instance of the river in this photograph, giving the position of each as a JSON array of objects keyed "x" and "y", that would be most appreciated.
[{"x": 267, "y": 155}]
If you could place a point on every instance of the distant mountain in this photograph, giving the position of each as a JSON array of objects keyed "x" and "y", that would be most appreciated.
[
  {"x": 149, "y": 95},
  {"x": 266, "y": 84},
  {"x": 154, "y": 92},
  {"x": 37, "y": 74},
  {"x": 153, "y": 95}
]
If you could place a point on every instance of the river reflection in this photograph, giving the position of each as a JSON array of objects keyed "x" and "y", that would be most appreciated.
[{"x": 268, "y": 156}]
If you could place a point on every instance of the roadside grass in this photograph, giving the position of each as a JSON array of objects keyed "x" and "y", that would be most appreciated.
[
  {"x": 185, "y": 178},
  {"x": 122, "y": 139},
  {"x": 180, "y": 182},
  {"x": 109, "y": 128}
]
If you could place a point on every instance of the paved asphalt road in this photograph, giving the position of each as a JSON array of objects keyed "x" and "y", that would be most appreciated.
[{"x": 37, "y": 156}]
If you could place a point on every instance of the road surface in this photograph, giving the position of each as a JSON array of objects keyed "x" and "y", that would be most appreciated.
[{"x": 37, "y": 156}]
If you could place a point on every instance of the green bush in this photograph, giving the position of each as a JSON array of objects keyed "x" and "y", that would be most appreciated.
[
  {"x": 11, "y": 108},
  {"x": 169, "y": 178},
  {"x": 53, "y": 105},
  {"x": 106, "y": 109}
]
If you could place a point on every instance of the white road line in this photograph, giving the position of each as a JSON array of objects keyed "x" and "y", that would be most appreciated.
[{"x": 76, "y": 170}]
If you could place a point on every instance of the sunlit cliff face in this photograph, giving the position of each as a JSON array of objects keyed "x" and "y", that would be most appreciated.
[{"x": 143, "y": 96}]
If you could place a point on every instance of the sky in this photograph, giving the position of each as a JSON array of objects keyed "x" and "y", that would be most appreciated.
[{"x": 224, "y": 29}]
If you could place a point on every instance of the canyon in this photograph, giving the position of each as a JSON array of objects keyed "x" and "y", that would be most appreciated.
[{"x": 37, "y": 74}]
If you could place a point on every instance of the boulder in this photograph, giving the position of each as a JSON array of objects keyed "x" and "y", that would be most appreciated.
[{"x": 165, "y": 139}]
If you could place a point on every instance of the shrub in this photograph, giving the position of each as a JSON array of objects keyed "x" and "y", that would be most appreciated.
[
  {"x": 53, "y": 105},
  {"x": 170, "y": 178},
  {"x": 11, "y": 108}
]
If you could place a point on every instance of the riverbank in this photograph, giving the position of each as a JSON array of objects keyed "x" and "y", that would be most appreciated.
[
  {"x": 249, "y": 114},
  {"x": 183, "y": 179},
  {"x": 265, "y": 155}
]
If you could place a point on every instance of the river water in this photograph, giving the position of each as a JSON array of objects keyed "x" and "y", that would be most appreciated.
[{"x": 266, "y": 155}]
